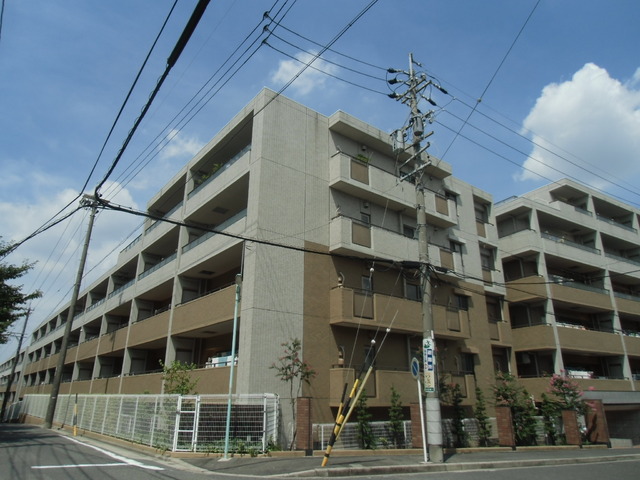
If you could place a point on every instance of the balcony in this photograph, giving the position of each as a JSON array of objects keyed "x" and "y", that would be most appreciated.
[
  {"x": 203, "y": 312},
  {"x": 632, "y": 343},
  {"x": 537, "y": 337},
  {"x": 578, "y": 293},
  {"x": 563, "y": 246},
  {"x": 136, "y": 384},
  {"x": 87, "y": 349},
  {"x": 209, "y": 243},
  {"x": 351, "y": 308},
  {"x": 352, "y": 237},
  {"x": 113, "y": 341},
  {"x": 576, "y": 338},
  {"x": 527, "y": 289},
  {"x": 149, "y": 329},
  {"x": 225, "y": 171},
  {"x": 627, "y": 303}
]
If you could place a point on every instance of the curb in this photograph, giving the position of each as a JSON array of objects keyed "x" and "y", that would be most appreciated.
[{"x": 454, "y": 467}]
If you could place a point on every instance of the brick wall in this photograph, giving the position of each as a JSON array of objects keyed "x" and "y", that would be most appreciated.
[
  {"x": 304, "y": 439},
  {"x": 571, "y": 429},
  {"x": 504, "y": 421},
  {"x": 416, "y": 430},
  {"x": 597, "y": 428}
]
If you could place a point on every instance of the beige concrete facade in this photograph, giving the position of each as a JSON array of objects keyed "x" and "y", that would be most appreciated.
[{"x": 311, "y": 210}]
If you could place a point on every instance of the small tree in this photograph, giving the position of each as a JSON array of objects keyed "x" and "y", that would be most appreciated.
[
  {"x": 396, "y": 418},
  {"x": 294, "y": 371},
  {"x": 480, "y": 413},
  {"x": 177, "y": 378},
  {"x": 12, "y": 300},
  {"x": 363, "y": 416},
  {"x": 563, "y": 394},
  {"x": 549, "y": 412},
  {"x": 452, "y": 394},
  {"x": 567, "y": 394}
]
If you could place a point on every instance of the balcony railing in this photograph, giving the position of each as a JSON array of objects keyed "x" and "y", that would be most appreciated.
[
  {"x": 582, "y": 286},
  {"x": 226, "y": 165},
  {"x": 616, "y": 223},
  {"x": 121, "y": 288},
  {"x": 571, "y": 243},
  {"x": 166, "y": 215},
  {"x": 218, "y": 228},
  {"x": 157, "y": 266},
  {"x": 621, "y": 258}
]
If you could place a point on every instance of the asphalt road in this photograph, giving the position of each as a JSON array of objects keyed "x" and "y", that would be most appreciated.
[{"x": 33, "y": 453}]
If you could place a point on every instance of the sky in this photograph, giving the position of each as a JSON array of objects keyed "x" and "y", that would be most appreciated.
[{"x": 537, "y": 90}]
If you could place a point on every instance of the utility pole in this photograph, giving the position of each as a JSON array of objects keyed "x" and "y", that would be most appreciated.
[
  {"x": 416, "y": 85},
  {"x": 7, "y": 391},
  {"x": 87, "y": 201}
]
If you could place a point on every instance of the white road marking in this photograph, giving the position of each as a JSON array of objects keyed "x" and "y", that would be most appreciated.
[
  {"x": 119, "y": 458},
  {"x": 81, "y": 465}
]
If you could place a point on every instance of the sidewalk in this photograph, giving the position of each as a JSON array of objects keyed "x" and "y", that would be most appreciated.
[{"x": 409, "y": 461}]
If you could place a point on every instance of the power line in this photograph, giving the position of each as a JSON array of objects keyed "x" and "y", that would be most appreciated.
[
  {"x": 186, "y": 114},
  {"x": 504, "y": 58},
  {"x": 188, "y": 30}
]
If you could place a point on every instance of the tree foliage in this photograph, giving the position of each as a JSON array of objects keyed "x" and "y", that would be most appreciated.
[
  {"x": 396, "y": 418},
  {"x": 364, "y": 429},
  {"x": 12, "y": 300},
  {"x": 480, "y": 412},
  {"x": 508, "y": 393},
  {"x": 566, "y": 394},
  {"x": 452, "y": 394},
  {"x": 177, "y": 378}
]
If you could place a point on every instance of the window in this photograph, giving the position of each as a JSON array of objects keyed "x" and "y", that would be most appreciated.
[
  {"x": 466, "y": 363},
  {"x": 494, "y": 310},
  {"x": 413, "y": 291},
  {"x": 367, "y": 283},
  {"x": 455, "y": 247},
  {"x": 409, "y": 231},
  {"x": 482, "y": 212},
  {"x": 461, "y": 302},
  {"x": 486, "y": 258}
]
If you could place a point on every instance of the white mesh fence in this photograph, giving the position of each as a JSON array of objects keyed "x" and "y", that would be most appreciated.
[
  {"x": 381, "y": 435},
  {"x": 168, "y": 422}
]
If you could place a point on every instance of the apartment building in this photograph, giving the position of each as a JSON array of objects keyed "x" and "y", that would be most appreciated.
[
  {"x": 571, "y": 259},
  {"x": 6, "y": 370},
  {"x": 310, "y": 211}
]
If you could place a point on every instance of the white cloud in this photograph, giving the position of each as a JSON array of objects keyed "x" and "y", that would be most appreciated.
[
  {"x": 57, "y": 250},
  {"x": 178, "y": 149},
  {"x": 311, "y": 79},
  {"x": 592, "y": 120}
]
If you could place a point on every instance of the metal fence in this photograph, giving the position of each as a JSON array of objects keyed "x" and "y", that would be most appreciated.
[
  {"x": 167, "y": 422},
  {"x": 349, "y": 438}
]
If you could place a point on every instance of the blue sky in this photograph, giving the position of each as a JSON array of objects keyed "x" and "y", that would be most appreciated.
[{"x": 565, "y": 101}]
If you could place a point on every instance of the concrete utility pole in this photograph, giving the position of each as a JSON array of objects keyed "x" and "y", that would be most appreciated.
[
  {"x": 87, "y": 201},
  {"x": 7, "y": 392},
  {"x": 416, "y": 84}
]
